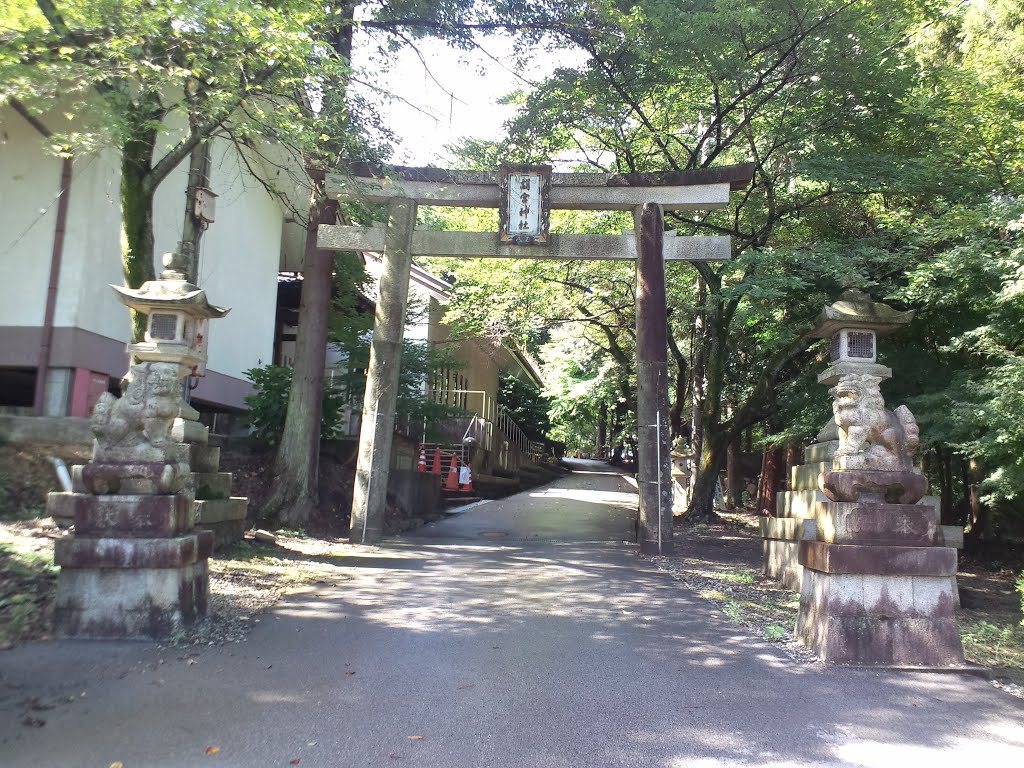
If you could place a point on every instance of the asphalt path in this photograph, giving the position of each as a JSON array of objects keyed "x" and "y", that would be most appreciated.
[{"x": 524, "y": 632}]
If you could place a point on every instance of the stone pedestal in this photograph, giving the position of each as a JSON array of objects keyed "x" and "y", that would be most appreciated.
[
  {"x": 213, "y": 508},
  {"x": 781, "y": 535},
  {"x": 878, "y": 587},
  {"x": 134, "y": 569}
]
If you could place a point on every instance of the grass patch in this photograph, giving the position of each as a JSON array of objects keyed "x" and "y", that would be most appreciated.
[
  {"x": 27, "y": 587},
  {"x": 996, "y": 644},
  {"x": 18, "y": 562},
  {"x": 737, "y": 577}
]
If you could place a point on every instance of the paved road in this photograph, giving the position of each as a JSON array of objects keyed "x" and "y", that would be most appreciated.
[{"x": 520, "y": 633}]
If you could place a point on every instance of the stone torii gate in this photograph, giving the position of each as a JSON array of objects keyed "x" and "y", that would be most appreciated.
[{"x": 524, "y": 234}]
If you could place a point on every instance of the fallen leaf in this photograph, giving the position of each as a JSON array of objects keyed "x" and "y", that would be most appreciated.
[
  {"x": 118, "y": 764},
  {"x": 350, "y": 671},
  {"x": 294, "y": 761},
  {"x": 467, "y": 685},
  {"x": 393, "y": 756},
  {"x": 211, "y": 750},
  {"x": 415, "y": 738}
]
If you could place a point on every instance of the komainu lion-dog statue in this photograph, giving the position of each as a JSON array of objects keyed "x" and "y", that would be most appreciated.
[
  {"x": 871, "y": 437},
  {"x": 134, "y": 449}
]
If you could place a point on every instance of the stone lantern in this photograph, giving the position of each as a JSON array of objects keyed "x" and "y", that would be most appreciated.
[
  {"x": 854, "y": 324},
  {"x": 136, "y": 566},
  {"x": 177, "y": 319}
]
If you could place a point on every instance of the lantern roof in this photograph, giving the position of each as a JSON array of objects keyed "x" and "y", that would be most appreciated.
[
  {"x": 856, "y": 311},
  {"x": 169, "y": 294}
]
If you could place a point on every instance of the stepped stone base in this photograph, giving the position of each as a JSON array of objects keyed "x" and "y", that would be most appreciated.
[
  {"x": 224, "y": 517},
  {"x": 135, "y": 568},
  {"x": 143, "y": 603},
  {"x": 845, "y": 522},
  {"x": 210, "y": 485},
  {"x": 781, "y": 535},
  {"x": 122, "y": 515},
  {"x": 878, "y": 587},
  {"x": 867, "y": 619},
  {"x": 780, "y": 548}
]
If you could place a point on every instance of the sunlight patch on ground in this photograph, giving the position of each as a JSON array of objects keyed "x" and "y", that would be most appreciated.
[
  {"x": 591, "y": 497},
  {"x": 275, "y": 697},
  {"x": 879, "y": 754}
]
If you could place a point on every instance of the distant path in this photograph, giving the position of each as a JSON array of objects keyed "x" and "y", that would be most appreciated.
[{"x": 520, "y": 633}]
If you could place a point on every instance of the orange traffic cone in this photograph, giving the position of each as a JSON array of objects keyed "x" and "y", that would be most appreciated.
[
  {"x": 437, "y": 462},
  {"x": 466, "y": 477},
  {"x": 422, "y": 466},
  {"x": 451, "y": 483}
]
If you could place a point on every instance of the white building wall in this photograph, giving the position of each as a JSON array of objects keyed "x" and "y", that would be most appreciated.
[
  {"x": 238, "y": 265},
  {"x": 29, "y": 181},
  {"x": 92, "y": 251}
]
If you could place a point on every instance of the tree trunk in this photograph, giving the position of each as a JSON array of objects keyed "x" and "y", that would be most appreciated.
[
  {"x": 680, "y": 390},
  {"x": 773, "y": 468},
  {"x": 137, "y": 216},
  {"x": 193, "y": 226},
  {"x": 296, "y": 464},
  {"x": 734, "y": 494},
  {"x": 794, "y": 456},
  {"x": 977, "y": 513},
  {"x": 602, "y": 430},
  {"x": 712, "y": 457},
  {"x": 697, "y": 374},
  {"x": 947, "y": 507}
]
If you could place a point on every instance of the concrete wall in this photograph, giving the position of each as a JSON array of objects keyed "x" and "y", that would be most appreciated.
[
  {"x": 42, "y": 430},
  {"x": 27, "y": 217}
]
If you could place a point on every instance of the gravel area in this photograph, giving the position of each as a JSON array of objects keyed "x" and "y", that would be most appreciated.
[{"x": 248, "y": 579}]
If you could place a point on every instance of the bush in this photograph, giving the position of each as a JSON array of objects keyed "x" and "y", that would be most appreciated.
[
  {"x": 1020, "y": 588},
  {"x": 268, "y": 407}
]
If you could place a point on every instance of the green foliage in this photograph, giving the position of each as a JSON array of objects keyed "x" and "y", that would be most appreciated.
[
  {"x": 1020, "y": 590},
  {"x": 970, "y": 386},
  {"x": 349, "y": 334},
  {"x": 526, "y": 406},
  {"x": 269, "y": 404},
  {"x": 887, "y": 152}
]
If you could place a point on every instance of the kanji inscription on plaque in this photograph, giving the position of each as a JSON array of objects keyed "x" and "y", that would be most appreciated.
[{"x": 525, "y": 209}]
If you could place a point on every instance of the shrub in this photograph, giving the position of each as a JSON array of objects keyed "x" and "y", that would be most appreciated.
[
  {"x": 1020, "y": 588},
  {"x": 269, "y": 405}
]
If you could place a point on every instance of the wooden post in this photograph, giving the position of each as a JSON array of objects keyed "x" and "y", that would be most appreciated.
[
  {"x": 654, "y": 472},
  {"x": 377, "y": 429}
]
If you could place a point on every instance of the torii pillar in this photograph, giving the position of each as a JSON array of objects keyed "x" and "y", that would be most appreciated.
[
  {"x": 654, "y": 470},
  {"x": 369, "y": 494}
]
